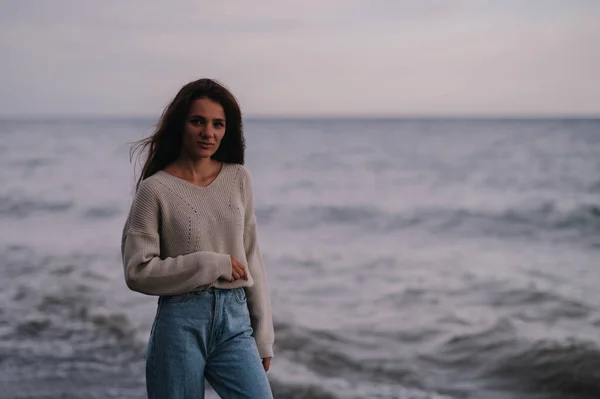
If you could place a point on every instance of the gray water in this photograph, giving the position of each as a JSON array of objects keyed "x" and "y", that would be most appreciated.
[{"x": 406, "y": 258}]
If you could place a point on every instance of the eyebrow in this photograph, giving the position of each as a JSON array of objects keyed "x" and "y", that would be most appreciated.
[{"x": 203, "y": 117}]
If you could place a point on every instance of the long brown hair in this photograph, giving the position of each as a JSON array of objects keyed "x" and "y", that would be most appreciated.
[{"x": 164, "y": 145}]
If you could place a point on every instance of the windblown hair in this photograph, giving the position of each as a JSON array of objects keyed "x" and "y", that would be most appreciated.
[{"x": 164, "y": 145}]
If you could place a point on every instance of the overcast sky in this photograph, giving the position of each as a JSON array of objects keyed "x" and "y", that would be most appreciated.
[{"x": 303, "y": 57}]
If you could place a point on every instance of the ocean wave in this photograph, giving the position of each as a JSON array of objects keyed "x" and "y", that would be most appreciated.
[
  {"x": 594, "y": 187},
  {"x": 76, "y": 307},
  {"x": 299, "y": 391},
  {"x": 567, "y": 369},
  {"x": 30, "y": 164},
  {"x": 353, "y": 389},
  {"x": 504, "y": 361},
  {"x": 67, "y": 316},
  {"x": 18, "y": 260},
  {"x": 538, "y": 305},
  {"x": 102, "y": 212},
  {"x": 15, "y": 207},
  {"x": 48, "y": 297},
  {"x": 471, "y": 352},
  {"x": 334, "y": 355},
  {"x": 526, "y": 303},
  {"x": 525, "y": 221}
]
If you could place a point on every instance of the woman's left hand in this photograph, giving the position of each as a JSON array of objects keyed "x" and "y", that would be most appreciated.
[{"x": 266, "y": 363}]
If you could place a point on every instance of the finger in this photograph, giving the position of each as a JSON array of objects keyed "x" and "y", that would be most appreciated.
[
  {"x": 242, "y": 272},
  {"x": 238, "y": 269},
  {"x": 236, "y": 273},
  {"x": 266, "y": 363}
]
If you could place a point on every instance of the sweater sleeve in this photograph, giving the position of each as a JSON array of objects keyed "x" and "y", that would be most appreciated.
[
  {"x": 259, "y": 303},
  {"x": 145, "y": 271}
]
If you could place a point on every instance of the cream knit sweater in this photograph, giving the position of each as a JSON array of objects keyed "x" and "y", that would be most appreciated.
[{"x": 178, "y": 238}]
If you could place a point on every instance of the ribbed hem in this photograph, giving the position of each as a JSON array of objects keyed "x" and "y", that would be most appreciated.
[{"x": 265, "y": 350}]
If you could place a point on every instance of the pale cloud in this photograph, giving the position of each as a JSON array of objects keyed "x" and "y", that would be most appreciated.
[{"x": 303, "y": 57}]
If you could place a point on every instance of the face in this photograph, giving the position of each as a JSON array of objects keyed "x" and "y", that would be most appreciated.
[{"x": 204, "y": 128}]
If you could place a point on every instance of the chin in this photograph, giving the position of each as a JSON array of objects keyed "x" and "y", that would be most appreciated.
[{"x": 205, "y": 154}]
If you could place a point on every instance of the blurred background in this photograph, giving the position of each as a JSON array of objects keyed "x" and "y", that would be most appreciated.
[{"x": 427, "y": 183}]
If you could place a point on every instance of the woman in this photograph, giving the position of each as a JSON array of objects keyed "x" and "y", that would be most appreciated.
[{"x": 190, "y": 239}]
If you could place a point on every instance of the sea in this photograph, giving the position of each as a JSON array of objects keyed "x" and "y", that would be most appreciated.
[{"x": 406, "y": 258}]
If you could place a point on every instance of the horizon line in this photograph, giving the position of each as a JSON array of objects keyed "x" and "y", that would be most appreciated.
[{"x": 301, "y": 117}]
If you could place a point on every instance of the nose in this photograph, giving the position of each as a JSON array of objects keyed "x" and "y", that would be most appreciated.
[{"x": 207, "y": 130}]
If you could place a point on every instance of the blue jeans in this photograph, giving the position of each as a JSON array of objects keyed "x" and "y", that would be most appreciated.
[{"x": 205, "y": 334}]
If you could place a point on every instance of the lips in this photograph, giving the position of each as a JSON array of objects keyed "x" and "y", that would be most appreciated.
[{"x": 205, "y": 146}]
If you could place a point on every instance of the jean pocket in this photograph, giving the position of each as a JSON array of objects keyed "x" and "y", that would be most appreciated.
[{"x": 240, "y": 295}]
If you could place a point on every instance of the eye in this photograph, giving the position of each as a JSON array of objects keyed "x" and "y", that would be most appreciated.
[
  {"x": 219, "y": 125},
  {"x": 196, "y": 121}
]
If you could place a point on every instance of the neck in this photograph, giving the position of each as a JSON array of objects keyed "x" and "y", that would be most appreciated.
[{"x": 200, "y": 167}]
